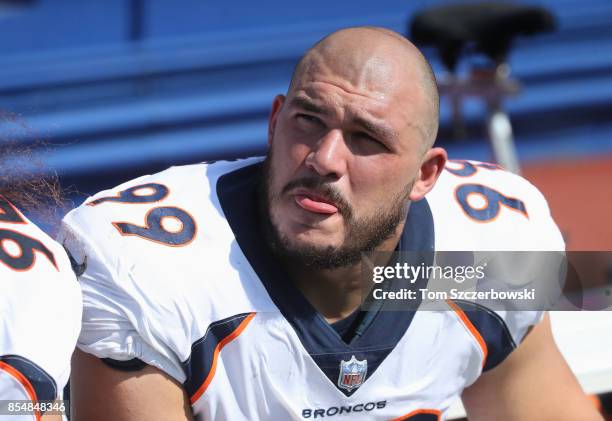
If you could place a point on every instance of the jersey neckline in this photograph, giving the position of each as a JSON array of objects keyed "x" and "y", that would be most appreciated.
[{"x": 238, "y": 195}]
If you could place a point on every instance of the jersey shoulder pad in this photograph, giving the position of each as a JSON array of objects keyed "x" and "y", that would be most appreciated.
[
  {"x": 479, "y": 206},
  {"x": 159, "y": 263},
  {"x": 40, "y": 300}
]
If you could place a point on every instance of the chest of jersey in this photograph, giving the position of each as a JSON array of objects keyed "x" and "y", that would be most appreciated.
[
  {"x": 201, "y": 290},
  {"x": 265, "y": 372}
]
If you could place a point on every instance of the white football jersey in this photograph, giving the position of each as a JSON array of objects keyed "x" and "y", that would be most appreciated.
[
  {"x": 175, "y": 273},
  {"x": 40, "y": 312}
]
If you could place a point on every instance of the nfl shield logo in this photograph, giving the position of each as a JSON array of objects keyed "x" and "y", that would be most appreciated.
[{"x": 352, "y": 373}]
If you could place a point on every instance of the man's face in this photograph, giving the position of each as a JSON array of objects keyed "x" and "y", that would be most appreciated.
[{"x": 344, "y": 152}]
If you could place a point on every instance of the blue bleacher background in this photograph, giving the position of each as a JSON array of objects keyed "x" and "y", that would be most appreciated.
[{"x": 122, "y": 88}]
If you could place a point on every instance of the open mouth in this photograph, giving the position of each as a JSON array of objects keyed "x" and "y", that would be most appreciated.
[{"x": 314, "y": 203}]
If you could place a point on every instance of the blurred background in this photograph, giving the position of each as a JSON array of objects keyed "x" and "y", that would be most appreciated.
[{"x": 121, "y": 88}]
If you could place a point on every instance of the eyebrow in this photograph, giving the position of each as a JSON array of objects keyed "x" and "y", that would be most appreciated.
[
  {"x": 381, "y": 131},
  {"x": 308, "y": 105}
]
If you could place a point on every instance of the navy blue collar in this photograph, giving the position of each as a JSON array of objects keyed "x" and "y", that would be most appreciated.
[{"x": 237, "y": 192}]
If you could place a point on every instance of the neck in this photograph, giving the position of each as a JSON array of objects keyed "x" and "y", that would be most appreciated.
[{"x": 336, "y": 293}]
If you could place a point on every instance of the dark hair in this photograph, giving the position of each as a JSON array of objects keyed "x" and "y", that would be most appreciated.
[{"x": 24, "y": 180}]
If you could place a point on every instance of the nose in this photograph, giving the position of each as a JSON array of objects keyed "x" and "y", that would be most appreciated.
[{"x": 328, "y": 156}]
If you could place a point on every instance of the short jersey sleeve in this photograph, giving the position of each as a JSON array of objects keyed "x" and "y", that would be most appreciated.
[
  {"x": 140, "y": 251},
  {"x": 40, "y": 308},
  {"x": 117, "y": 315},
  {"x": 479, "y": 207}
]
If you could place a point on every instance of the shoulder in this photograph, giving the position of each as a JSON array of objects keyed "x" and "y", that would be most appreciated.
[
  {"x": 30, "y": 261},
  {"x": 40, "y": 301},
  {"x": 154, "y": 215},
  {"x": 479, "y": 206},
  {"x": 159, "y": 263},
  {"x": 167, "y": 228},
  {"x": 190, "y": 186}
]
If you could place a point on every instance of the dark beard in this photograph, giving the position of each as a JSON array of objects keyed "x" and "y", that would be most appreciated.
[{"x": 363, "y": 235}]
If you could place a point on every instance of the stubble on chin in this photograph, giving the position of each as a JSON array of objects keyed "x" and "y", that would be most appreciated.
[{"x": 360, "y": 235}]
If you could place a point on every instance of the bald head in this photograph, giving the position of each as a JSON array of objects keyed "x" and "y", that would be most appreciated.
[{"x": 372, "y": 56}]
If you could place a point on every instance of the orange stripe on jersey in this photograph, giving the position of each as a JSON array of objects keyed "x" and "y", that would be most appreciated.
[
  {"x": 218, "y": 349},
  {"x": 466, "y": 322},
  {"x": 12, "y": 371},
  {"x": 596, "y": 401},
  {"x": 435, "y": 412}
]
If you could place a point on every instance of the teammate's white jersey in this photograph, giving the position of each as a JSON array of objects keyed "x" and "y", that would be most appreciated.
[
  {"x": 175, "y": 273},
  {"x": 40, "y": 312}
]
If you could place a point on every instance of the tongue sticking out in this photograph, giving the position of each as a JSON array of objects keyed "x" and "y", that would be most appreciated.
[{"x": 314, "y": 206}]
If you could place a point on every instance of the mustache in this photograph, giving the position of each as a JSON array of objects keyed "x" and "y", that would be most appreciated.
[{"x": 324, "y": 188}]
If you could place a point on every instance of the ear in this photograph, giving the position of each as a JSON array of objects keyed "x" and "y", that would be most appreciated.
[
  {"x": 277, "y": 105},
  {"x": 431, "y": 167}
]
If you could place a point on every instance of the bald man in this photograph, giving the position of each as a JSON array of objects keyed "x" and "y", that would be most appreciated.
[{"x": 232, "y": 291}]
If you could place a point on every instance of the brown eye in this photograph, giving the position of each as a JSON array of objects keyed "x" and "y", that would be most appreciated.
[
  {"x": 307, "y": 118},
  {"x": 364, "y": 137}
]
